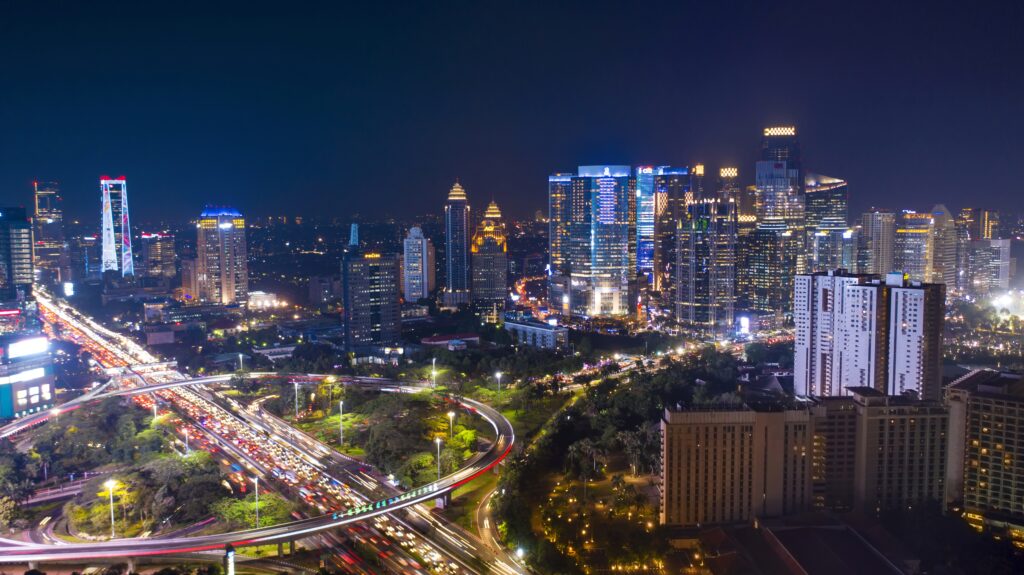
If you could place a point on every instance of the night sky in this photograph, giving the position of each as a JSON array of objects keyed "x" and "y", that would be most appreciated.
[{"x": 335, "y": 110}]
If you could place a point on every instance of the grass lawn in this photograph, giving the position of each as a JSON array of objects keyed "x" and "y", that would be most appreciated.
[{"x": 462, "y": 509}]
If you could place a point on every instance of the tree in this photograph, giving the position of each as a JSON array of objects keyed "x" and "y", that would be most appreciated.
[{"x": 8, "y": 509}]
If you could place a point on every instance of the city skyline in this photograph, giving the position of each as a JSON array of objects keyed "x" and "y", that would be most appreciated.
[{"x": 215, "y": 109}]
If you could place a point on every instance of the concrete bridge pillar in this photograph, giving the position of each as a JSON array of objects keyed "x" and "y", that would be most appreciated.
[
  {"x": 33, "y": 565},
  {"x": 291, "y": 547},
  {"x": 443, "y": 501},
  {"x": 131, "y": 565},
  {"x": 280, "y": 549}
]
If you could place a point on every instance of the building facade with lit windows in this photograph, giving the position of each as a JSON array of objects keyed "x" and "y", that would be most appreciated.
[
  {"x": 593, "y": 242},
  {"x": 733, "y": 464},
  {"x": 981, "y": 224},
  {"x": 672, "y": 190},
  {"x": 489, "y": 254},
  {"x": 222, "y": 266},
  {"x": 16, "y": 268},
  {"x": 985, "y": 469},
  {"x": 988, "y": 267},
  {"x": 901, "y": 451},
  {"x": 645, "y": 221},
  {"x": 417, "y": 266},
  {"x": 457, "y": 259},
  {"x": 706, "y": 268},
  {"x": 26, "y": 374},
  {"x": 914, "y": 247},
  {"x": 51, "y": 249},
  {"x": 370, "y": 295},
  {"x": 877, "y": 241},
  {"x": 115, "y": 227},
  {"x": 157, "y": 256},
  {"x": 858, "y": 331}
]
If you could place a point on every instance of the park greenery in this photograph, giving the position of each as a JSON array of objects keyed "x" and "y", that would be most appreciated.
[
  {"x": 612, "y": 427},
  {"x": 166, "y": 490}
]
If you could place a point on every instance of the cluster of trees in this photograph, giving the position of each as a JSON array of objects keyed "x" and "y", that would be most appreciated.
[
  {"x": 115, "y": 431},
  {"x": 164, "y": 491},
  {"x": 617, "y": 415},
  {"x": 241, "y": 513}
]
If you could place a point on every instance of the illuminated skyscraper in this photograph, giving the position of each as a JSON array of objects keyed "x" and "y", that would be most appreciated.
[
  {"x": 222, "y": 268},
  {"x": 16, "y": 271},
  {"x": 706, "y": 268},
  {"x": 417, "y": 266},
  {"x": 877, "y": 241},
  {"x": 775, "y": 251},
  {"x": 50, "y": 248},
  {"x": 944, "y": 242},
  {"x": 372, "y": 312},
  {"x": 831, "y": 244},
  {"x": 981, "y": 224},
  {"x": 602, "y": 242},
  {"x": 645, "y": 222},
  {"x": 158, "y": 258},
  {"x": 115, "y": 227},
  {"x": 489, "y": 251},
  {"x": 456, "y": 253},
  {"x": 914, "y": 249},
  {"x": 988, "y": 267},
  {"x": 559, "y": 195},
  {"x": 672, "y": 189}
]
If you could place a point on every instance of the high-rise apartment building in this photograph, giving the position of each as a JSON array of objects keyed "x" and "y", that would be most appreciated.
[
  {"x": 51, "y": 250},
  {"x": 985, "y": 471},
  {"x": 900, "y": 451},
  {"x": 417, "y": 266},
  {"x": 222, "y": 267},
  {"x": 157, "y": 254},
  {"x": 16, "y": 269},
  {"x": 115, "y": 227},
  {"x": 818, "y": 331},
  {"x": 372, "y": 310},
  {"x": 877, "y": 241},
  {"x": 489, "y": 251},
  {"x": 84, "y": 254},
  {"x": 706, "y": 268},
  {"x": 856, "y": 331},
  {"x": 730, "y": 464},
  {"x": 597, "y": 277},
  {"x": 456, "y": 253}
]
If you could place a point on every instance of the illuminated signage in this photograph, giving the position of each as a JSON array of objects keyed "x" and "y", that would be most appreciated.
[
  {"x": 780, "y": 131},
  {"x": 728, "y": 172},
  {"x": 30, "y": 346},
  {"x": 27, "y": 375}
]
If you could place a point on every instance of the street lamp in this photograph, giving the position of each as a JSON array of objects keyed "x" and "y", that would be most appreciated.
[
  {"x": 296, "y": 384},
  {"x": 451, "y": 424},
  {"x": 256, "y": 479},
  {"x": 433, "y": 372},
  {"x": 437, "y": 440},
  {"x": 520, "y": 553},
  {"x": 341, "y": 423},
  {"x": 110, "y": 484},
  {"x": 239, "y": 362},
  {"x": 497, "y": 376}
]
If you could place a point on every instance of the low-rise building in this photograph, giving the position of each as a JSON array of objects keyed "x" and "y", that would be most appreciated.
[{"x": 535, "y": 333}]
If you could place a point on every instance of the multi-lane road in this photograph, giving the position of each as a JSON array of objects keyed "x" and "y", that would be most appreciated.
[{"x": 112, "y": 349}]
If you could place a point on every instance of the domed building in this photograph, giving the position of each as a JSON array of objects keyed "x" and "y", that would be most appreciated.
[{"x": 489, "y": 251}]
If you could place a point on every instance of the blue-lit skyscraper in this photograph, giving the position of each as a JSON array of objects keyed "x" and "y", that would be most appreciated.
[
  {"x": 645, "y": 222},
  {"x": 602, "y": 242}
]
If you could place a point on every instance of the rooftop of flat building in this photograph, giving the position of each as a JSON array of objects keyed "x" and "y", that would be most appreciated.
[{"x": 991, "y": 382}]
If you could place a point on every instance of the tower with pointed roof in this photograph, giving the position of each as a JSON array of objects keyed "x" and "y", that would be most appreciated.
[
  {"x": 456, "y": 237},
  {"x": 489, "y": 251}
]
